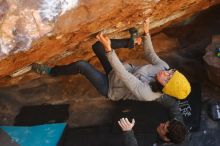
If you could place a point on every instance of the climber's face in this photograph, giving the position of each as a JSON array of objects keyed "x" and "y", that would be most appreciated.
[
  {"x": 162, "y": 130},
  {"x": 164, "y": 76}
]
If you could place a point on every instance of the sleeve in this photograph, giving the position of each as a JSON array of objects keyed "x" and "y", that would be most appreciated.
[
  {"x": 141, "y": 90},
  {"x": 129, "y": 138},
  {"x": 150, "y": 53},
  {"x": 172, "y": 104}
]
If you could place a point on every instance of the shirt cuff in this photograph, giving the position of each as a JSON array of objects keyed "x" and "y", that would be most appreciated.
[{"x": 110, "y": 52}]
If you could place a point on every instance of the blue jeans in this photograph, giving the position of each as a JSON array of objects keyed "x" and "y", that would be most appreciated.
[{"x": 98, "y": 79}]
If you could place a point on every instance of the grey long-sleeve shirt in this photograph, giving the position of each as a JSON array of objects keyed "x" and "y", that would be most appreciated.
[{"x": 131, "y": 82}]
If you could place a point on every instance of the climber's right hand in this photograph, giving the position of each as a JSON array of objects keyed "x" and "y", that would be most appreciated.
[{"x": 105, "y": 42}]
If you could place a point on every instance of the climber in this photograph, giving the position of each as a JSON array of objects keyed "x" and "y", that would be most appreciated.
[{"x": 126, "y": 81}]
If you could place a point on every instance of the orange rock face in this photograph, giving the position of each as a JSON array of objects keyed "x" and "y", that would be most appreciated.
[{"x": 59, "y": 32}]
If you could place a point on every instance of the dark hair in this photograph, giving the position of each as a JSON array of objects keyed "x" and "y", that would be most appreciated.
[
  {"x": 177, "y": 131},
  {"x": 156, "y": 86}
]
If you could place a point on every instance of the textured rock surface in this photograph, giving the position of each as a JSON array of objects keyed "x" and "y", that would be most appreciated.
[{"x": 62, "y": 31}]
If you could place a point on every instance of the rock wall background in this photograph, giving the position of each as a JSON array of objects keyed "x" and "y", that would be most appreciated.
[{"x": 182, "y": 45}]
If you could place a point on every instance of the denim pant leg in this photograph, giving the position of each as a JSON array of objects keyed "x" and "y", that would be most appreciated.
[
  {"x": 99, "y": 50},
  {"x": 98, "y": 79}
]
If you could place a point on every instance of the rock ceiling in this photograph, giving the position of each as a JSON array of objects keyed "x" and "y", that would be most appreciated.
[{"x": 62, "y": 31}]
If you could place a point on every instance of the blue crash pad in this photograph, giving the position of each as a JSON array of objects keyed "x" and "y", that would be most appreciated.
[{"x": 42, "y": 135}]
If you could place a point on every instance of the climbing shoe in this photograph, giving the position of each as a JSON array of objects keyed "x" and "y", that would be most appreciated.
[
  {"x": 133, "y": 35},
  {"x": 40, "y": 68}
]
